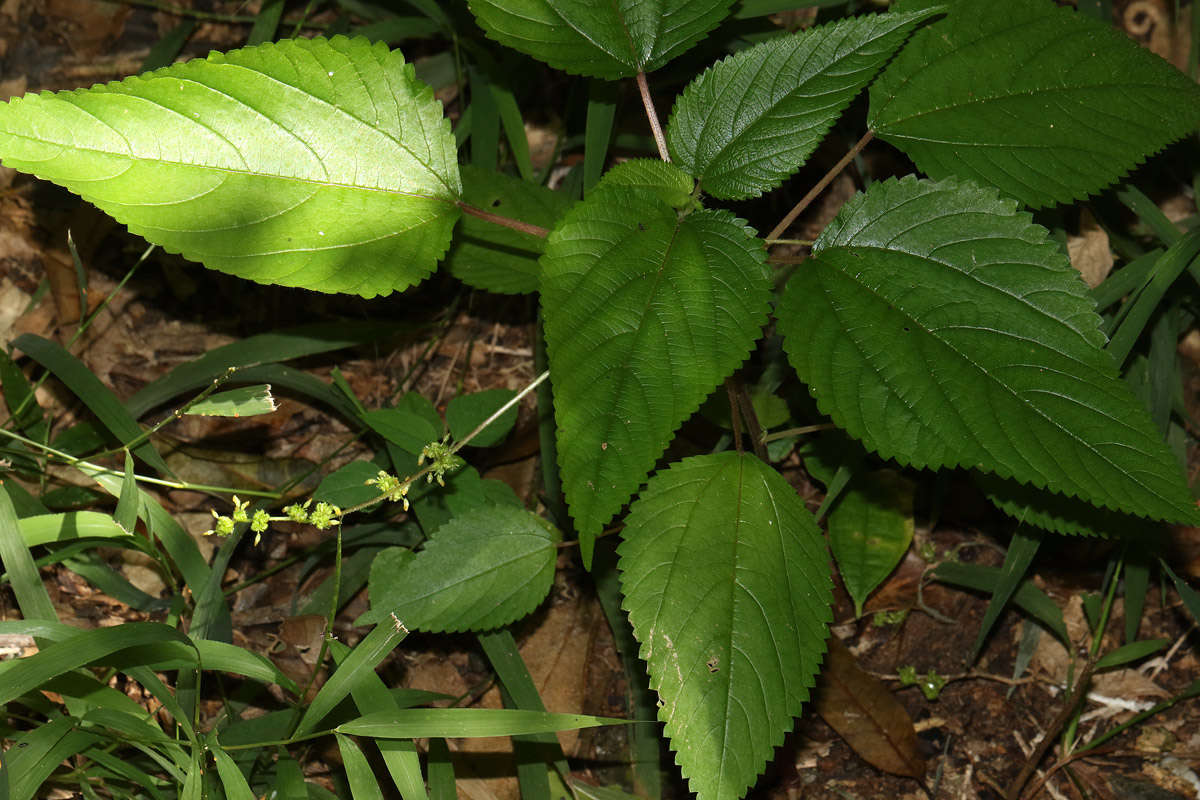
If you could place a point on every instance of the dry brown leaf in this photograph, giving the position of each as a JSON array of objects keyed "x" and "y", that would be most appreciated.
[
  {"x": 866, "y": 715},
  {"x": 1089, "y": 250}
]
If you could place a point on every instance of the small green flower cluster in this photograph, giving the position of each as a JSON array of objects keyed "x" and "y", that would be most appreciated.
[
  {"x": 391, "y": 487},
  {"x": 441, "y": 460},
  {"x": 322, "y": 517}
]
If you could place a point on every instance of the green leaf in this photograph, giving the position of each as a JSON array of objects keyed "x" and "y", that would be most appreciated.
[
  {"x": 492, "y": 257},
  {"x": 750, "y": 121},
  {"x": 1054, "y": 512},
  {"x": 129, "y": 502},
  {"x": 353, "y": 671},
  {"x": 1027, "y": 595},
  {"x": 645, "y": 313},
  {"x": 1133, "y": 651},
  {"x": 32, "y": 597},
  {"x": 347, "y": 486},
  {"x": 466, "y": 411},
  {"x": 417, "y": 723},
  {"x": 1041, "y": 102},
  {"x": 248, "y": 401},
  {"x": 942, "y": 328},
  {"x": 316, "y": 163},
  {"x": 726, "y": 582},
  {"x": 361, "y": 778},
  {"x": 406, "y": 429},
  {"x": 602, "y": 40},
  {"x": 483, "y": 569},
  {"x": 870, "y": 530}
]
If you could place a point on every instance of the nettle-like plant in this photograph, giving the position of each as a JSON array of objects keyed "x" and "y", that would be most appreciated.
[{"x": 935, "y": 322}]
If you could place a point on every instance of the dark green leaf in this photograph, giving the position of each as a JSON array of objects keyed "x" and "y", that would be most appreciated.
[
  {"x": 870, "y": 530},
  {"x": 603, "y": 40},
  {"x": 466, "y": 411},
  {"x": 646, "y": 312},
  {"x": 753, "y": 119},
  {"x": 483, "y": 569},
  {"x": 726, "y": 582},
  {"x": 1044, "y": 103},
  {"x": 941, "y": 328}
]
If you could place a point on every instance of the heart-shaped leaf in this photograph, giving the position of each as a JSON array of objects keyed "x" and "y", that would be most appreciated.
[
  {"x": 726, "y": 582},
  {"x": 753, "y": 119},
  {"x": 317, "y": 163},
  {"x": 942, "y": 328},
  {"x": 604, "y": 40},
  {"x": 1045, "y": 103},
  {"x": 646, "y": 311}
]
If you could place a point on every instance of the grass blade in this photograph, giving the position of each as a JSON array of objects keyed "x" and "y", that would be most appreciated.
[
  {"x": 416, "y": 723},
  {"x": 1021, "y": 550},
  {"x": 363, "y": 785},
  {"x": 94, "y": 394},
  {"x": 32, "y": 597}
]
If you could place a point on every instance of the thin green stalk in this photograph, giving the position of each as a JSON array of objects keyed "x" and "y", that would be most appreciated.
[{"x": 71, "y": 460}]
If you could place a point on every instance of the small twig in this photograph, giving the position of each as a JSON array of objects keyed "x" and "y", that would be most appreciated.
[
  {"x": 505, "y": 222},
  {"x": 801, "y": 431},
  {"x": 1060, "y": 720},
  {"x": 536, "y": 382},
  {"x": 735, "y": 416},
  {"x": 778, "y": 230},
  {"x": 652, "y": 115}
]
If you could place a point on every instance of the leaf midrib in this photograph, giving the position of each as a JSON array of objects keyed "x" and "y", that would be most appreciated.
[{"x": 184, "y": 165}]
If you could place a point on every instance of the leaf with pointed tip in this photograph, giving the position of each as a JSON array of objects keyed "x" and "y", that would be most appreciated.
[
  {"x": 646, "y": 312},
  {"x": 753, "y": 119},
  {"x": 603, "y": 40},
  {"x": 726, "y": 581},
  {"x": 317, "y": 163},
  {"x": 942, "y": 328},
  {"x": 1042, "y": 102},
  {"x": 484, "y": 568}
]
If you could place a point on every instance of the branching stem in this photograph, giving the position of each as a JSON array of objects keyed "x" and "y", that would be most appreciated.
[
  {"x": 505, "y": 222},
  {"x": 652, "y": 115},
  {"x": 778, "y": 230}
]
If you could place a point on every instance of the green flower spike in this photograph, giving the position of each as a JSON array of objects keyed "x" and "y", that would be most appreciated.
[{"x": 441, "y": 460}]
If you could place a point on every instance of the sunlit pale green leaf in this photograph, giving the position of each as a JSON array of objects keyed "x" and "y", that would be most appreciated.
[
  {"x": 604, "y": 40},
  {"x": 315, "y": 163},
  {"x": 1045, "y": 103},
  {"x": 942, "y": 328},
  {"x": 726, "y": 582},
  {"x": 646, "y": 311},
  {"x": 484, "y": 568},
  {"x": 752, "y": 120},
  {"x": 247, "y": 401}
]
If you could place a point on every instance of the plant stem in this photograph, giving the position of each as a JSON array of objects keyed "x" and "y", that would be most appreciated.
[
  {"x": 652, "y": 115},
  {"x": 504, "y": 222},
  {"x": 1063, "y": 717},
  {"x": 536, "y": 382},
  {"x": 778, "y": 230},
  {"x": 801, "y": 431}
]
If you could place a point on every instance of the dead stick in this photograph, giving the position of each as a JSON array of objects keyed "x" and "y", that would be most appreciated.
[{"x": 777, "y": 232}]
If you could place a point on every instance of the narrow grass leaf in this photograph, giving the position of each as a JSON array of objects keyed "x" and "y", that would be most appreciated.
[
  {"x": 646, "y": 311},
  {"x": 99, "y": 399},
  {"x": 1128, "y": 653},
  {"x": 232, "y": 780},
  {"x": 366, "y": 655},
  {"x": 441, "y": 771},
  {"x": 32, "y": 597},
  {"x": 597, "y": 130},
  {"x": 36, "y": 755},
  {"x": 1017, "y": 558},
  {"x": 264, "y": 348},
  {"x": 940, "y": 327},
  {"x": 399, "y": 756},
  {"x": 746, "y": 123},
  {"x": 1189, "y": 596},
  {"x": 88, "y": 647},
  {"x": 224, "y": 657},
  {"x": 726, "y": 581},
  {"x": 1092, "y": 103},
  {"x": 126, "y": 514},
  {"x": 363, "y": 785},
  {"x": 1028, "y": 597},
  {"x": 415, "y": 723},
  {"x": 1140, "y": 308},
  {"x": 509, "y": 572},
  {"x": 611, "y": 40},
  {"x": 193, "y": 782},
  {"x": 316, "y": 163}
]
